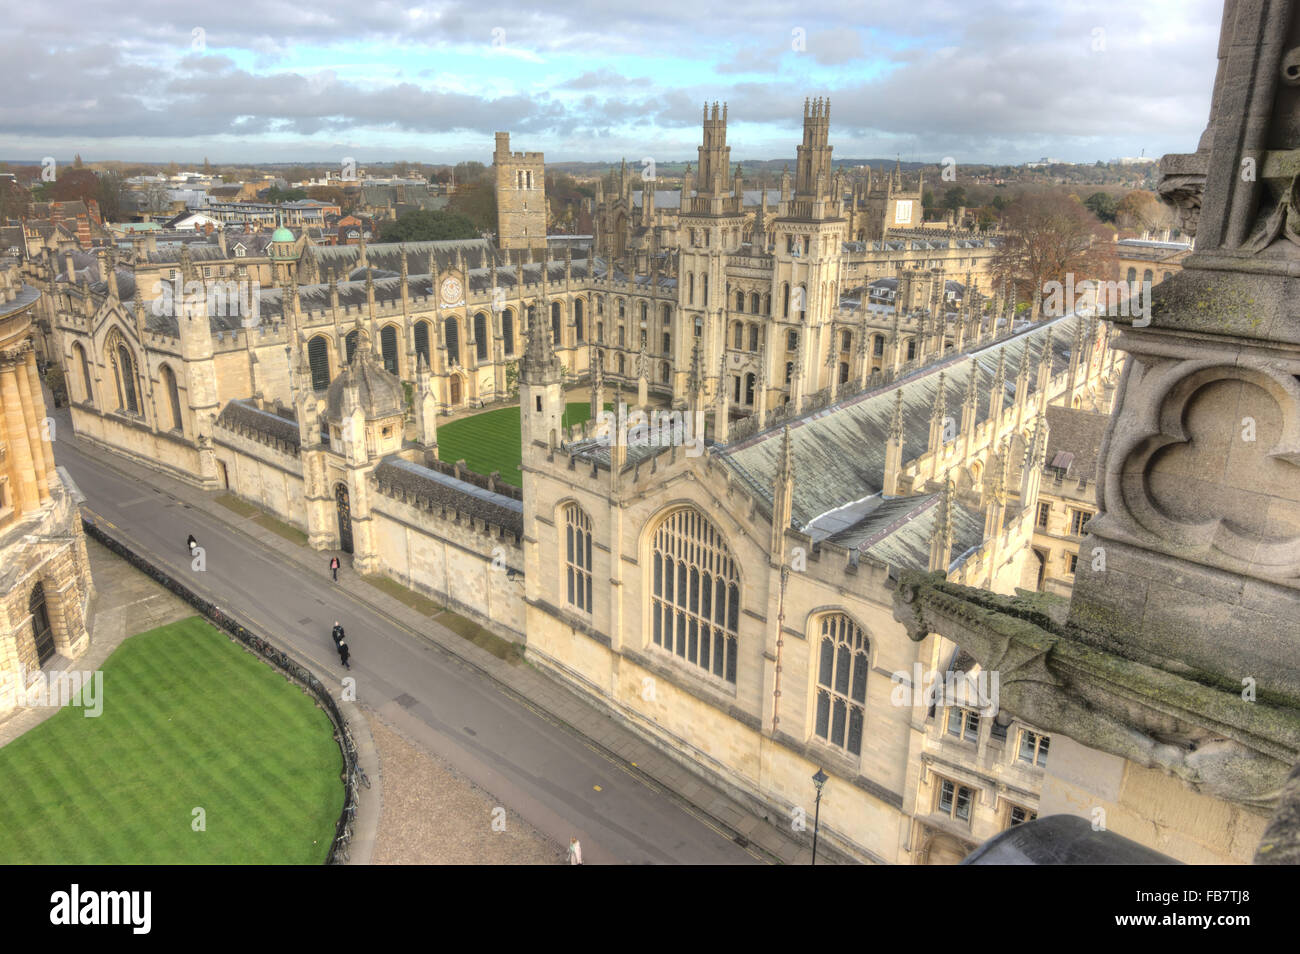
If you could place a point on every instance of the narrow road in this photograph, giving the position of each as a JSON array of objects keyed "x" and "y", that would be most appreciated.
[{"x": 544, "y": 772}]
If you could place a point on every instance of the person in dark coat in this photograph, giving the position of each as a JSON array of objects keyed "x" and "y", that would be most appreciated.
[
  {"x": 191, "y": 542},
  {"x": 334, "y": 568},
  {"x": 338, "y": 633},
  {"x": 343, "y": 653}
]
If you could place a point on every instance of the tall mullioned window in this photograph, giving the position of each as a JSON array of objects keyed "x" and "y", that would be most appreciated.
[
  {"x": 577, "y": 556},
  {"x": 842, "y": 683},
  {"x": 695, "y": 601},
  {"x": 318, "y": 359}
]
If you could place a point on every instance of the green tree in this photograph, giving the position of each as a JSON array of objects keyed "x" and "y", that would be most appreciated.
[
  {"x": 428, "y": 225},
  {"x": 276, "y": 194},
  {"x": 954, "y": 198},
  {"x": 1103, "y": 205}
]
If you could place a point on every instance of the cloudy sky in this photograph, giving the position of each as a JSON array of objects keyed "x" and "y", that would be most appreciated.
[{"x": 317, "y": 80}]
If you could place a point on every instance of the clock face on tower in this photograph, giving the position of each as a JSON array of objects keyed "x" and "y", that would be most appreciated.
[{"x": 451, "y": 290}]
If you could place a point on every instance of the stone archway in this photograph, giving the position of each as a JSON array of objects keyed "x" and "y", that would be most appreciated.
[{"x": 344, "y": 508}]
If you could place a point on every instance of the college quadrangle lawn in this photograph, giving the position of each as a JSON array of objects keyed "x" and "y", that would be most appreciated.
[
  {"x": 490, "y": 441},
  {"x": 190, "y": 721}
]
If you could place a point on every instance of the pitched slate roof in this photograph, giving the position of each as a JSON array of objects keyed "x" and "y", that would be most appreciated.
[
  {"x": 897, "y": 531},
  {"x": 246, "y": 418},
  {"x": 1079, "y": 435},
  {"x": 340, "y": 260},
  {"x": 432, "y": 489},
  {"x": 840, "y": 450}
]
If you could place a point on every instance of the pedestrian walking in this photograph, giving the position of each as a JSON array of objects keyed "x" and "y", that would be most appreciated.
[
  {"x": 191, "y": 543},
  {"x": 575, "y": 851},
  {"x": 338, "y": 633},
  {"x": 334, "y": 568},
  {"x": 343, "y": 653}
]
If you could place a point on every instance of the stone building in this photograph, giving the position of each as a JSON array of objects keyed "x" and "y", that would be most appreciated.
[
  {"x": 1067, "y": 497},
  {"x": 45, "y": 585},
  {"x": 771, "y": 651},
  {"x": 521, "y": 196},
  {"x": 1149, "y": 260},
  {"x": 1169, "y": 679}
]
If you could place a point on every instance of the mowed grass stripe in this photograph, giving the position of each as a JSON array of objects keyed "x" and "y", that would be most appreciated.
[
  {"x": 490, "y": 441},
  {"x": 190, "y": 720}
]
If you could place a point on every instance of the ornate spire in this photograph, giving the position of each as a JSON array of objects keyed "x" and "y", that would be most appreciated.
[
  {"x": 896, "y": 421},
  {"x": 539, "y": 358}
]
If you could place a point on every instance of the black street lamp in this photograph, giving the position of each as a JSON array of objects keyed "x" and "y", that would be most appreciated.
[{"x": 818, "y": 781}]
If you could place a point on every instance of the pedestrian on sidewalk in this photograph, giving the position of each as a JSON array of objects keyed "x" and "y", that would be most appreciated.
[
  {"x": 334, "y": 568},
  {"x": 338, "y": 633},
  {"x": 575, "y": 851},
  {"x": 343, "y": 653}
]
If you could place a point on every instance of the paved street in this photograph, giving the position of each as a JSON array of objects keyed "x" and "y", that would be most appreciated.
[{"x": 544, "y": 771}]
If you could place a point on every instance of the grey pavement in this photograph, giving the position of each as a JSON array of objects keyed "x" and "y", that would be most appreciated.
[{"x": 560, "y": 763}]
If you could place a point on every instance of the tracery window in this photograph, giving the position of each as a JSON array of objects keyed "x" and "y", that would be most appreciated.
[
  {"x": 695, "y": 593},
  {"x": 843, "y": 661},
  {"x": 318, "y": 359},
  {"x": 577, "y": 557}
]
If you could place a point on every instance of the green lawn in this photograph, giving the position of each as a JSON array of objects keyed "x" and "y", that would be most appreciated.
[
  {"x": 190, "y": 720},
  {"x": 490, "y": 441}
]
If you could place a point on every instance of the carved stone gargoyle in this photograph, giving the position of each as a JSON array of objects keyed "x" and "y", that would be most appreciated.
[{"x": 1058, "y": 679}]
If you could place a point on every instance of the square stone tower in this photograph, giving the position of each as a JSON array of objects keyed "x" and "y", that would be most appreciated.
[{"x": 521, "y": 196}]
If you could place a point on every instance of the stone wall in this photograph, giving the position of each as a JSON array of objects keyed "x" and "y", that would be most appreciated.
[{"x": 457, "y": 559}]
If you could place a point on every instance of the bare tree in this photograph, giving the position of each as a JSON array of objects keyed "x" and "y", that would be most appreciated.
[{"x": 1050, "y": 237}]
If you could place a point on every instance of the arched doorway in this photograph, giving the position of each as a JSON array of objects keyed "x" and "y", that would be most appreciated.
[
  {"x": 455, "y": 390},
  {"x": 345, "y": 518},
  {"x": 944, "y": 849},
  {"x": 41, "y": 631}
]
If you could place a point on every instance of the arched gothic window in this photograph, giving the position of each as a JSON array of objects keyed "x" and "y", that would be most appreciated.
[
  {"x": 422, "y": 342},
  {"x": 80, "y": 353},
  {"x": 124, "y": 365},
  {"x": 481, "y": 336},
  {"x": 508, "y": 331},
  {"x": 695, "y": 593},
  {"x": 452, "y": 331},
  {"x": 577, "y": 557},
  {"x": 318, "y": 360},
  {"x": 388, "y": 347},
  {"x": 843, "y": 661},
  {"x": 173, "y": 395}
]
